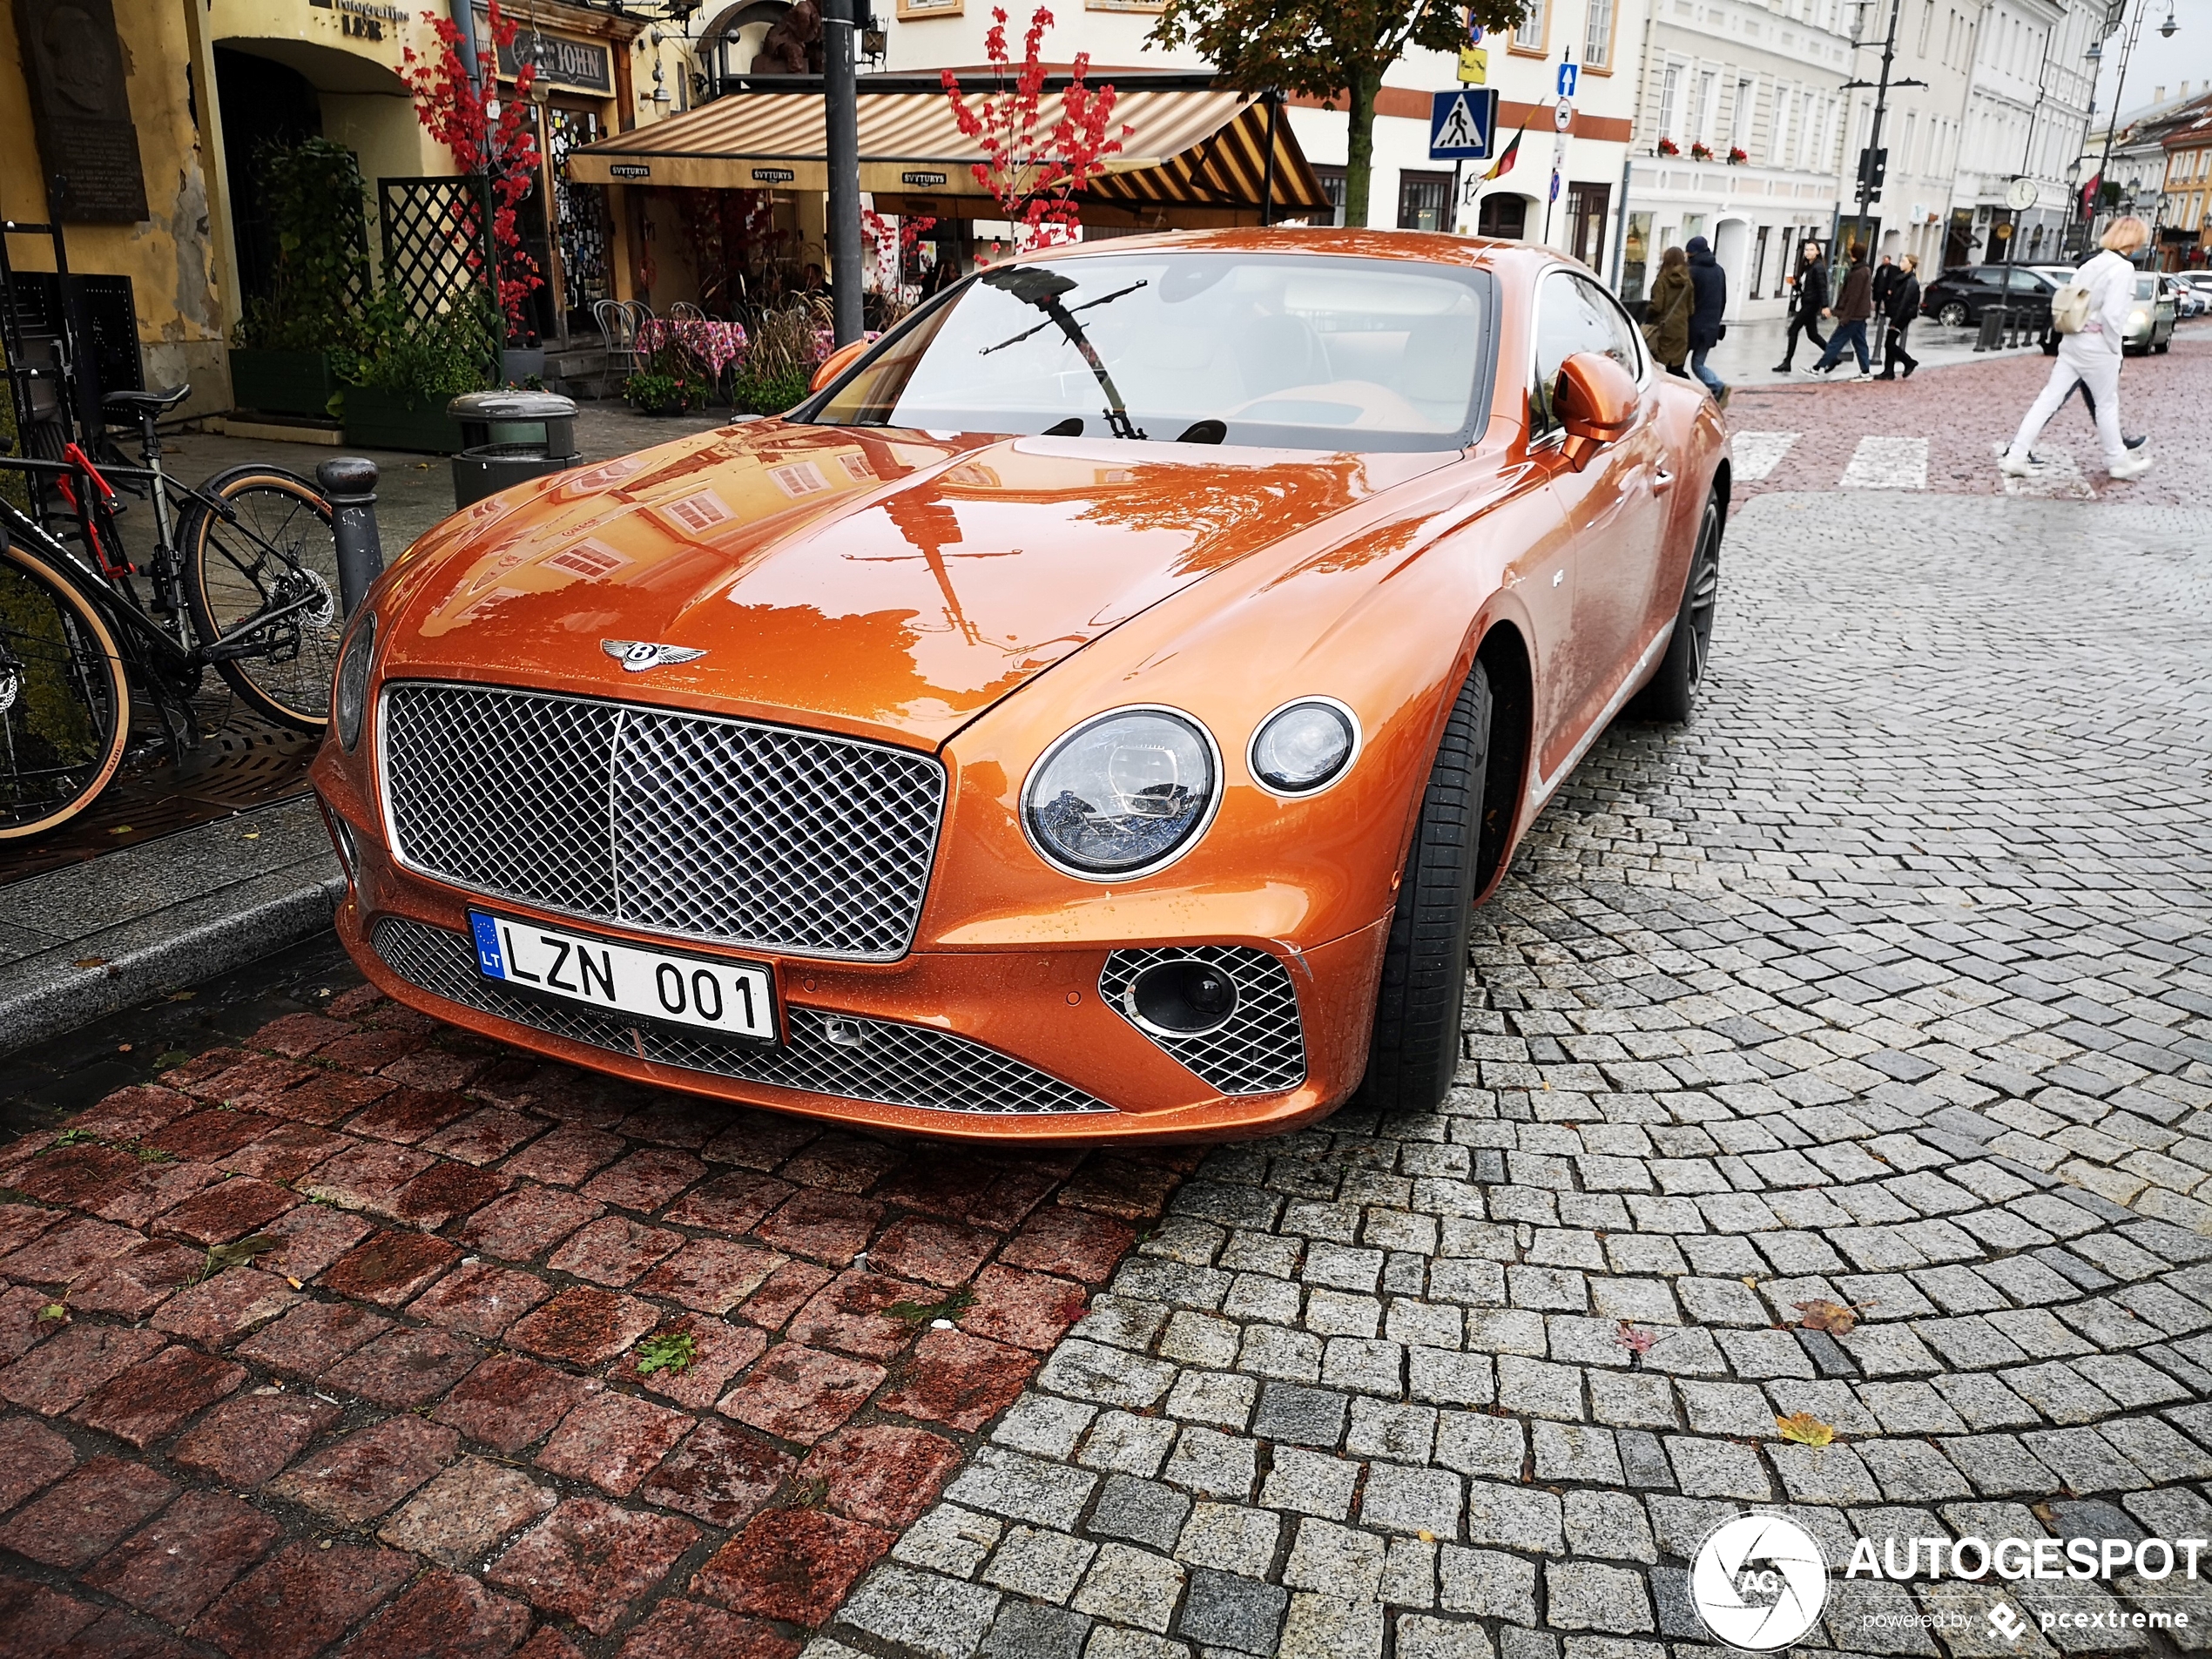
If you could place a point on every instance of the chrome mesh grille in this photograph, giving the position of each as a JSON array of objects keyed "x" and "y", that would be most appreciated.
[
  {"x": 687, "y": 824},
  {"x": 1261, "y": 1050},
  {"x": 896, "y": 1065}
]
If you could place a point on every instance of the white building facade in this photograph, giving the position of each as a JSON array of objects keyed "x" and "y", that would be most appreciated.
[
  {"x": 1739, "y": 127},
  {"x": 2026, "y": 113}
]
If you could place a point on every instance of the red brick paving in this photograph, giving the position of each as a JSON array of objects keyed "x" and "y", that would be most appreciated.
[
  {"x": 420, "y": 1424},
  {"x": 1964, "y": 408}
]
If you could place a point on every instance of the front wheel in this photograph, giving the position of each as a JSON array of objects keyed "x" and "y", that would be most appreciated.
[
  {"x": 1954, "y": 315},
  {"x": 1416, "y": 1049},
  {"x": 275, "y": 558},
  {"x": 65, "y": 701},
  {"x": 1672, "y": 693}
]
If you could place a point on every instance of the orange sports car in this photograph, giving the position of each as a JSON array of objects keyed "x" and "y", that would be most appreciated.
[{"x": 1091, "y": 715}]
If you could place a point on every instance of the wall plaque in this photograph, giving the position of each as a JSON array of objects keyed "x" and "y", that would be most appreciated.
[{"x": 81, "y": 110}]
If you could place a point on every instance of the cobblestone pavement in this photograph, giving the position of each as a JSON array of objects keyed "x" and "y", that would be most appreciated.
[
  {"x": 1883, "y": 986},
  {"x": 1809, "y": 434}
]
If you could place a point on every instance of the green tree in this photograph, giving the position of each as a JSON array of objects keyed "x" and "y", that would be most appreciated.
[{"x": 1326, "y": 49}]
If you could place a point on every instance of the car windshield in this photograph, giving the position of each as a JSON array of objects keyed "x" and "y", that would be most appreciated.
[
  {"x": 2146, "y": 288},
  {"x": 1312, "y": 352}
]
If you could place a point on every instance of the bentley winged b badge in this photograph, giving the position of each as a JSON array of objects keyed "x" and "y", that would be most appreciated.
[{"x": 638, "y": 655}]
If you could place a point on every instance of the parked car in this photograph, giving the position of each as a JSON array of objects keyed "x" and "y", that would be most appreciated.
[
  {"x": 2199, "y": 283},
  {"x": 2190, "y": 300},
  {"x": 1958, "y": 297},
  {"x": 1091, "y": 714},
  {"x": 2150, "y": 322}
]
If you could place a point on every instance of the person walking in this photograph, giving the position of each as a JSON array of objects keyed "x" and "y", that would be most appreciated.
[
  {"x": 1902, "y": 306},
  {"x": 1668, "y": 331},
  {"x": 1886, "y": 276},
  {"x": 1708, "y": 303},
  {"x": 1808, "y": 304},
  {"x": 1853, "y": 306},
  {"x": 2091, "y": 356}
]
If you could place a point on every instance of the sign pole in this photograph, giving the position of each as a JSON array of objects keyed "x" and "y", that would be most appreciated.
[{"x": 840, "y": 97}]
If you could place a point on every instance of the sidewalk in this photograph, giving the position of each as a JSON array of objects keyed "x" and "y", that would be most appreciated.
[
  {"x": 90, "y": 939},
  {"x": 1747, "y": 357}
]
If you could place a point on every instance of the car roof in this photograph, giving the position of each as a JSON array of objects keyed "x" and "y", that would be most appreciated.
[{"x": 1424, "y": 247}]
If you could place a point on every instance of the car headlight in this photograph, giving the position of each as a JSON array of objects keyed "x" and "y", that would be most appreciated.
[
  {"x": 2137, "y": 318},
  {"x": 1304, "y": 746},
  {"x": 1123, "y": 794},
  {"x": 349, "y": 698}
]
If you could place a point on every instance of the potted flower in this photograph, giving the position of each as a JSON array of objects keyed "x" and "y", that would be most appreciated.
[
  {"x": 1701, "y": 151},
  {"x": 658, "y": 389},
  {"x": 1737, "y": 155},
  {"x": 281, "y": 360},
  {"x": 397, "y": 390},
  {"x": 1667, "y": 147}
]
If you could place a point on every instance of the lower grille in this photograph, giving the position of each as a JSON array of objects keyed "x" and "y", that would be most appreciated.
[
  {"x": 895, "y": 1065},
  {"x": 1259, "y": 1051}
]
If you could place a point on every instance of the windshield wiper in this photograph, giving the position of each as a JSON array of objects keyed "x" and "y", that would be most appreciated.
[{"x": 1035, "y": 286}]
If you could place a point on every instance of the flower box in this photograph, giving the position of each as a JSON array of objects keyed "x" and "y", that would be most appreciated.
[
  {"x": 281, "y": 382},
  {"x": 1701, "y": 152},
  {"x": 1669, "y": 147},
  {"x": 379, "y": 420}
]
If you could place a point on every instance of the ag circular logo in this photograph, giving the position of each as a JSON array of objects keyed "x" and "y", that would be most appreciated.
[{"x": 1758, "y": 1582}]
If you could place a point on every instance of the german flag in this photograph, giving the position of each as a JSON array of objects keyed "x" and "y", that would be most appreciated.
[{"x": 1503, "y": 166}]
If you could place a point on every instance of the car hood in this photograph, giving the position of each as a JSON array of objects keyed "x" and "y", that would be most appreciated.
[{"x": 889, "y": 584}]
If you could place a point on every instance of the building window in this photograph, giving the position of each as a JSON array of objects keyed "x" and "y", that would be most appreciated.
[
  {"x": 1332, "y": 182},
  {"x": 1740, "y": 117},
  {"x": 1503, "y": 217},
  {"x": 1597, "y": 36},
  {"x": 1424, "y": 201},
  {"x": 1707, "y": 104},
  {"x": 1529, "y": 37},
  {"x": 1670, "y": 104},
  {"x": 1779, "y": 150},
  {"x": 1636, "y": 257}
]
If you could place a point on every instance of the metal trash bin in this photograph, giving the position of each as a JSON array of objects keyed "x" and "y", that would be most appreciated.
[{"x": 507, "y": 437}]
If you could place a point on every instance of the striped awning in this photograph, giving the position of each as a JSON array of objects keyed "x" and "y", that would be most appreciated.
[{"x": 1196, "y": 157}]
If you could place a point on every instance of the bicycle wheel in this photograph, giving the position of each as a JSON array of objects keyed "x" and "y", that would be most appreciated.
[
  {"x": 278, "y": 559},
  {"x": 65, "y": 702}
]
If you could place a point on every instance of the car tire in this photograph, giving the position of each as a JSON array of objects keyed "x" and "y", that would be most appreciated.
[
  {"x": 2166, "y": 344},
  {"x": 1415, "y": 1048},
  {"x": 1954, "y": 315},
  {"x": 1671, "y": 694}
]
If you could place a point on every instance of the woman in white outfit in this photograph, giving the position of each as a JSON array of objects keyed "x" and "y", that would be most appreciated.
[{"x": 2092, "y": 357}]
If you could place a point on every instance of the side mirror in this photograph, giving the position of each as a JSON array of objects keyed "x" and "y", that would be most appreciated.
[
  {"x": 837, "y": 362},
  {"x": 1596, "y": 400}
]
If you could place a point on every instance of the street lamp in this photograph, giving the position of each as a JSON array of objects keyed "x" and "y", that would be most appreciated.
[{"x": 2096, "y": 54}]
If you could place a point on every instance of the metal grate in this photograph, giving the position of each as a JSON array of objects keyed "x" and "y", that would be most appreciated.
[
  {"x": 1261, "y": 1050},
  {"x": 875, "y": 1060},
  {"x": 688, "y": 824},
  {"x": 439, "y": 250}
]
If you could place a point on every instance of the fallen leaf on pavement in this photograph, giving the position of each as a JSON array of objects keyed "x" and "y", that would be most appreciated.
[
  {"x": 1806, "y": 1429},
  {"x": 1827, "y": 1316}
]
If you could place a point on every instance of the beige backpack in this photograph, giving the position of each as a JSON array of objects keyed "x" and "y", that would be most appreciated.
[{"x": 2070, "y": 310}]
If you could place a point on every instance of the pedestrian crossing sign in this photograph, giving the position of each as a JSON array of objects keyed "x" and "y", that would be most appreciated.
[{"x": 1460, "y": 124}]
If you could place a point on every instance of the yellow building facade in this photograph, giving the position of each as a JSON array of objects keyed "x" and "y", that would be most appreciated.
[{"x": 208, "y": 83}]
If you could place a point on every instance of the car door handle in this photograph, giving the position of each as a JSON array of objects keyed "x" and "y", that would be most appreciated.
[{"x": 1661, "y": 481}]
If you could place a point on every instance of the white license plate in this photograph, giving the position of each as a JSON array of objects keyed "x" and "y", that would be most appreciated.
[{"x": 737, "y": 999}]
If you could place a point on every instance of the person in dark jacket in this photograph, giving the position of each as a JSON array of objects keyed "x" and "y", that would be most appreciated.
[
  {"x": 1808, "y": 302},
  {"x": 1886, "y": 277},
  {"x": 1853, "y": 306},
  {"x": 1709, "y": 302},
  {"x": 1901, "y": 306}
]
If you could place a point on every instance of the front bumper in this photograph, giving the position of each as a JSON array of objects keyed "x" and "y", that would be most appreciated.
[{"x": 972, "y": 1045}]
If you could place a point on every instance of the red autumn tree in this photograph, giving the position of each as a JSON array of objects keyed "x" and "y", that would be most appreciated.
[
  {"x": 1035, "y": 171},
  {"x": 485, "y": 134}
]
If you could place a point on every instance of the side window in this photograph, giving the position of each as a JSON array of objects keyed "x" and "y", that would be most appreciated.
[
  {"x": 1572, "y": 315},
  {"x": 1622, "y": 343}
]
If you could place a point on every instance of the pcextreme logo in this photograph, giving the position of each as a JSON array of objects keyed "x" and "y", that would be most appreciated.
[{"x": 1758, "y": 1582}]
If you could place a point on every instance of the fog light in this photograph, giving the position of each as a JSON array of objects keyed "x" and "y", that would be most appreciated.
[{"x": 1180, "y": 999}]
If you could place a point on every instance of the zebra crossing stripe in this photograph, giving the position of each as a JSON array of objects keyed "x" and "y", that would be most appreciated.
[
  {"x": 2057, "y": 477},
  {"x": 1887, "y": 463},
  {"x": 1758, "y": 453}
]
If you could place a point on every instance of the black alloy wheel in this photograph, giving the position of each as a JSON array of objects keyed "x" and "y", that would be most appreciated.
[{"x": 1671, "y": 695}]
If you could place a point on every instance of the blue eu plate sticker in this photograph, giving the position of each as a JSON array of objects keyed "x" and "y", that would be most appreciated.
[{"x": 488, "y": 956}]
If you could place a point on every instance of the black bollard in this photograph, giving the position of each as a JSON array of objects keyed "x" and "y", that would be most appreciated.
[{"x": 350, "y": 482}]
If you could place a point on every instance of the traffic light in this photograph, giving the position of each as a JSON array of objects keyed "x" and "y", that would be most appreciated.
[{"x": 1873, "y": 167}]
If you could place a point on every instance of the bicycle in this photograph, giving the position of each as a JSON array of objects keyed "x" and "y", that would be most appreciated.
[{"x": 251, "y": 555}]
